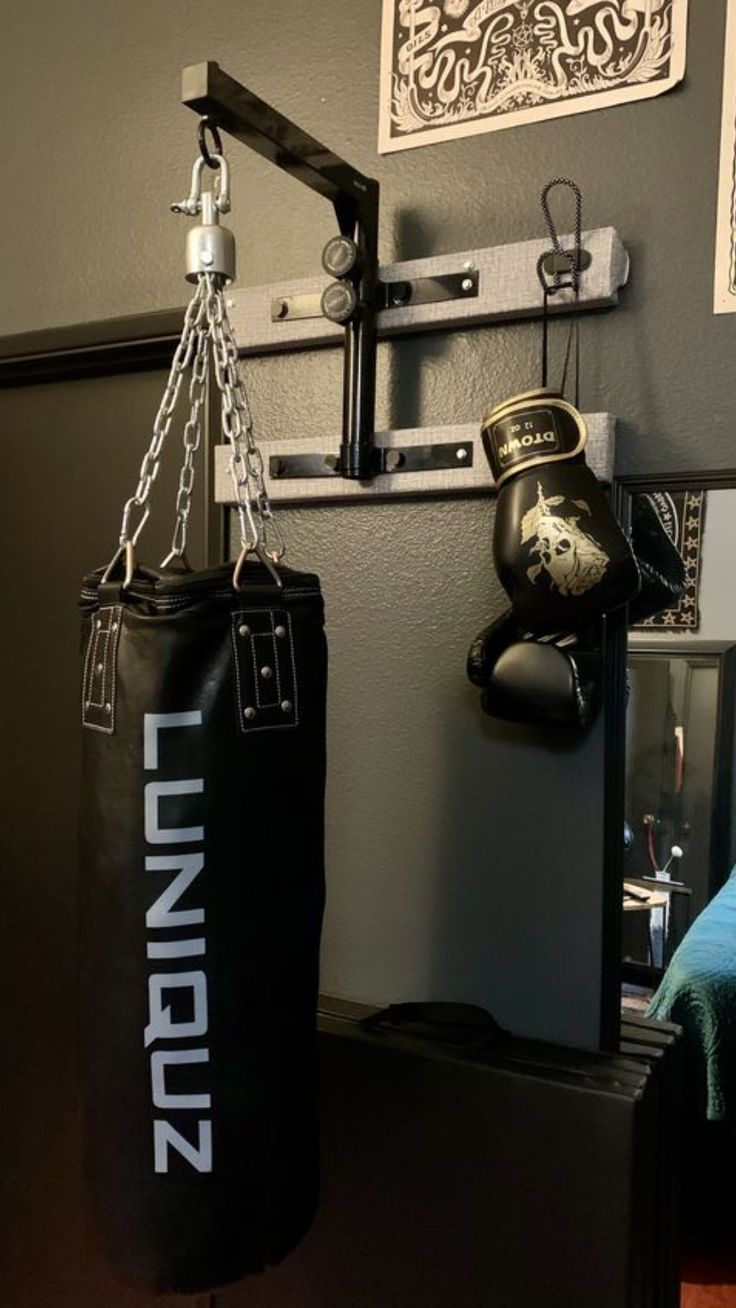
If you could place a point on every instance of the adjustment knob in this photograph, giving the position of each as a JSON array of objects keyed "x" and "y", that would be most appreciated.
[
  {"x": 339, "y": 302},
  {"x": 340, "y": 256}
]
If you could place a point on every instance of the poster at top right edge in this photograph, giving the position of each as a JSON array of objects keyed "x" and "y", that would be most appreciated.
[{"x": 724, "y": 299}]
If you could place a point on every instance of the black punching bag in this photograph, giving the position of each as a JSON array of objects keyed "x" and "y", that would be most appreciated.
[{"x": 203, "y": 713}]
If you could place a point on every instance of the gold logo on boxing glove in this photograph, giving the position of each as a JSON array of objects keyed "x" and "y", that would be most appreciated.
[{"x": 572, "y": 558}]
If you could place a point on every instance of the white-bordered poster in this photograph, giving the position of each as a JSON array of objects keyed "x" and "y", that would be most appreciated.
[
  {"x": 724, "y": 299},
  {"x": 461, "y": 67}
]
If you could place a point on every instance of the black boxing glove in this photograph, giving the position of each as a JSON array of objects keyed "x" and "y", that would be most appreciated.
[
  {"x": 536, "y": 681},
  {"x": 559, "y": 551}
]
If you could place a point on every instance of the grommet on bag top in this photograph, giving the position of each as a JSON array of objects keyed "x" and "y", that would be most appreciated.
[{"x": 201, "y": 853}]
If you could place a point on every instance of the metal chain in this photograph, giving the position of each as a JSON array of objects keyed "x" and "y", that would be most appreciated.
[
  {"x": 206, "y": 326},
  {"x": 192, "y": 440},
  {"x": 258, "y": 529},
  {"x": 193, "y": 318},
  {"x": 571, "y": 258}
]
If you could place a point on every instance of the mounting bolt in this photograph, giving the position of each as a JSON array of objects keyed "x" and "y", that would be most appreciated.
[
  {"x": 461, "y": 454},
  {"x": 467, "y": 283},
  {"x": 400, "y": 293},
  {"x": 394, "y": 460},
  {"x": 283, "y": 309},
  {"x": 278, "y": 468},
  {"x": 331, "y": 462},
  {"x": 469, "y": 266}
]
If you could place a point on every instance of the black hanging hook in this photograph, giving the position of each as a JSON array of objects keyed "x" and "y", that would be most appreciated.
[
  {"x": 554, "y": 262},
  {"x": 209, "y": 125},
  {"x": 572, "y": 259}
]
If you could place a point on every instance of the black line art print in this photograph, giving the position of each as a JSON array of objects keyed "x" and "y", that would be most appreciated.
[{"x": 461, "y": 66}]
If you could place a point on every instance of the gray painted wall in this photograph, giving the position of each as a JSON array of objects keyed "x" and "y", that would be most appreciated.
[{"x": 464, "y": 859}]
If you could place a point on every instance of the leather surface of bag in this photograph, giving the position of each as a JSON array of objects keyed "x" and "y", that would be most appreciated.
[
  {"x": 202, "y": 887},
  {"x": 559, "y": 552}
]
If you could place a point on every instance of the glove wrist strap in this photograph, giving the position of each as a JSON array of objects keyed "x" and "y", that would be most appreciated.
[{"x": 530, "y": 429}]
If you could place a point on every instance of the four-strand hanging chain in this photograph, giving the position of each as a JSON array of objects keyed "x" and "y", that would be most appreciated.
[{"x": 207, "y": 335}]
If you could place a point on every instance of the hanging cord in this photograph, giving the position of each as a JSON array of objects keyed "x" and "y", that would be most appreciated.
[
  {"x": 207, "y": 331},
  {"x": 572, "y": 261}
]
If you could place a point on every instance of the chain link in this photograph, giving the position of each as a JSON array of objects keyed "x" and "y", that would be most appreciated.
[
  {"x": 258, "y": 529},
  {"x": 207, "y": 326},
  {"x": 193, "y": 317},
  {"x": 571, "y": 258},
  {"x": 192, "y": 440}
]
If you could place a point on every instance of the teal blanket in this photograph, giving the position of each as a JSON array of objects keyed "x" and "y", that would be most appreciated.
[{"x": 698, "y": 991}]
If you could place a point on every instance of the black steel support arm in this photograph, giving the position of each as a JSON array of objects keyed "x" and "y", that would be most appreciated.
[{"x": 209, "y": 91}]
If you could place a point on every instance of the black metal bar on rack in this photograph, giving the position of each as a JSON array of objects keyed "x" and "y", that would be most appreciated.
[{"x": 210, "y": 91}]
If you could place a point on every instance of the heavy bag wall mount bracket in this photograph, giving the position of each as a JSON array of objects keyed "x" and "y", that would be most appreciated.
[
  {"x": 356, "y": 302},
  {"x": 352, "y": 301}
]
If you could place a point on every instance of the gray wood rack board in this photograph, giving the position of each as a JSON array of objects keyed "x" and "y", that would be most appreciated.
[
  {"x": 464, "y": 480},
  {"x": 508, "y": 288}
]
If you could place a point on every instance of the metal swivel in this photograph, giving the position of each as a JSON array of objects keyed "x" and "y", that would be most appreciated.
[{"x": 210, "y": 247}]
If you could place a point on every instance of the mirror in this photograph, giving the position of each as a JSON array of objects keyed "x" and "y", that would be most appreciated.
[{"x": 679, "y": 793}]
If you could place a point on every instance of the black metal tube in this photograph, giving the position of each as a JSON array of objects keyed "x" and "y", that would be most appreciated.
[
  {"x": 209, "y": 91},
  {"x": 359, "y": 393}
]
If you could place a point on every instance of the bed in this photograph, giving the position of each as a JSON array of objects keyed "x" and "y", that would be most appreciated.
[{"x": 698, "y": 992}]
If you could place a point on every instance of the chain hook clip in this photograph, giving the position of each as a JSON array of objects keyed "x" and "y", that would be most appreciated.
[
  {"x": 562, "y": 260},
  {"x": 571, "y": 258}
]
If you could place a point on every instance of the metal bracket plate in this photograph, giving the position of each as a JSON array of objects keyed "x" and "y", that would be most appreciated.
[
  {"x": 389, "y": 295},
  {"x": 430, "y": 290},
  {"x": 310, "y": 480},
  {"x": 409, "y": 458},
  {"x": 556, "y": 264}
]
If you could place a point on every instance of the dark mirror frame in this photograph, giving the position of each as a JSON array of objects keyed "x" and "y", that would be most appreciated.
[{"x": 615, "y": 728}]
